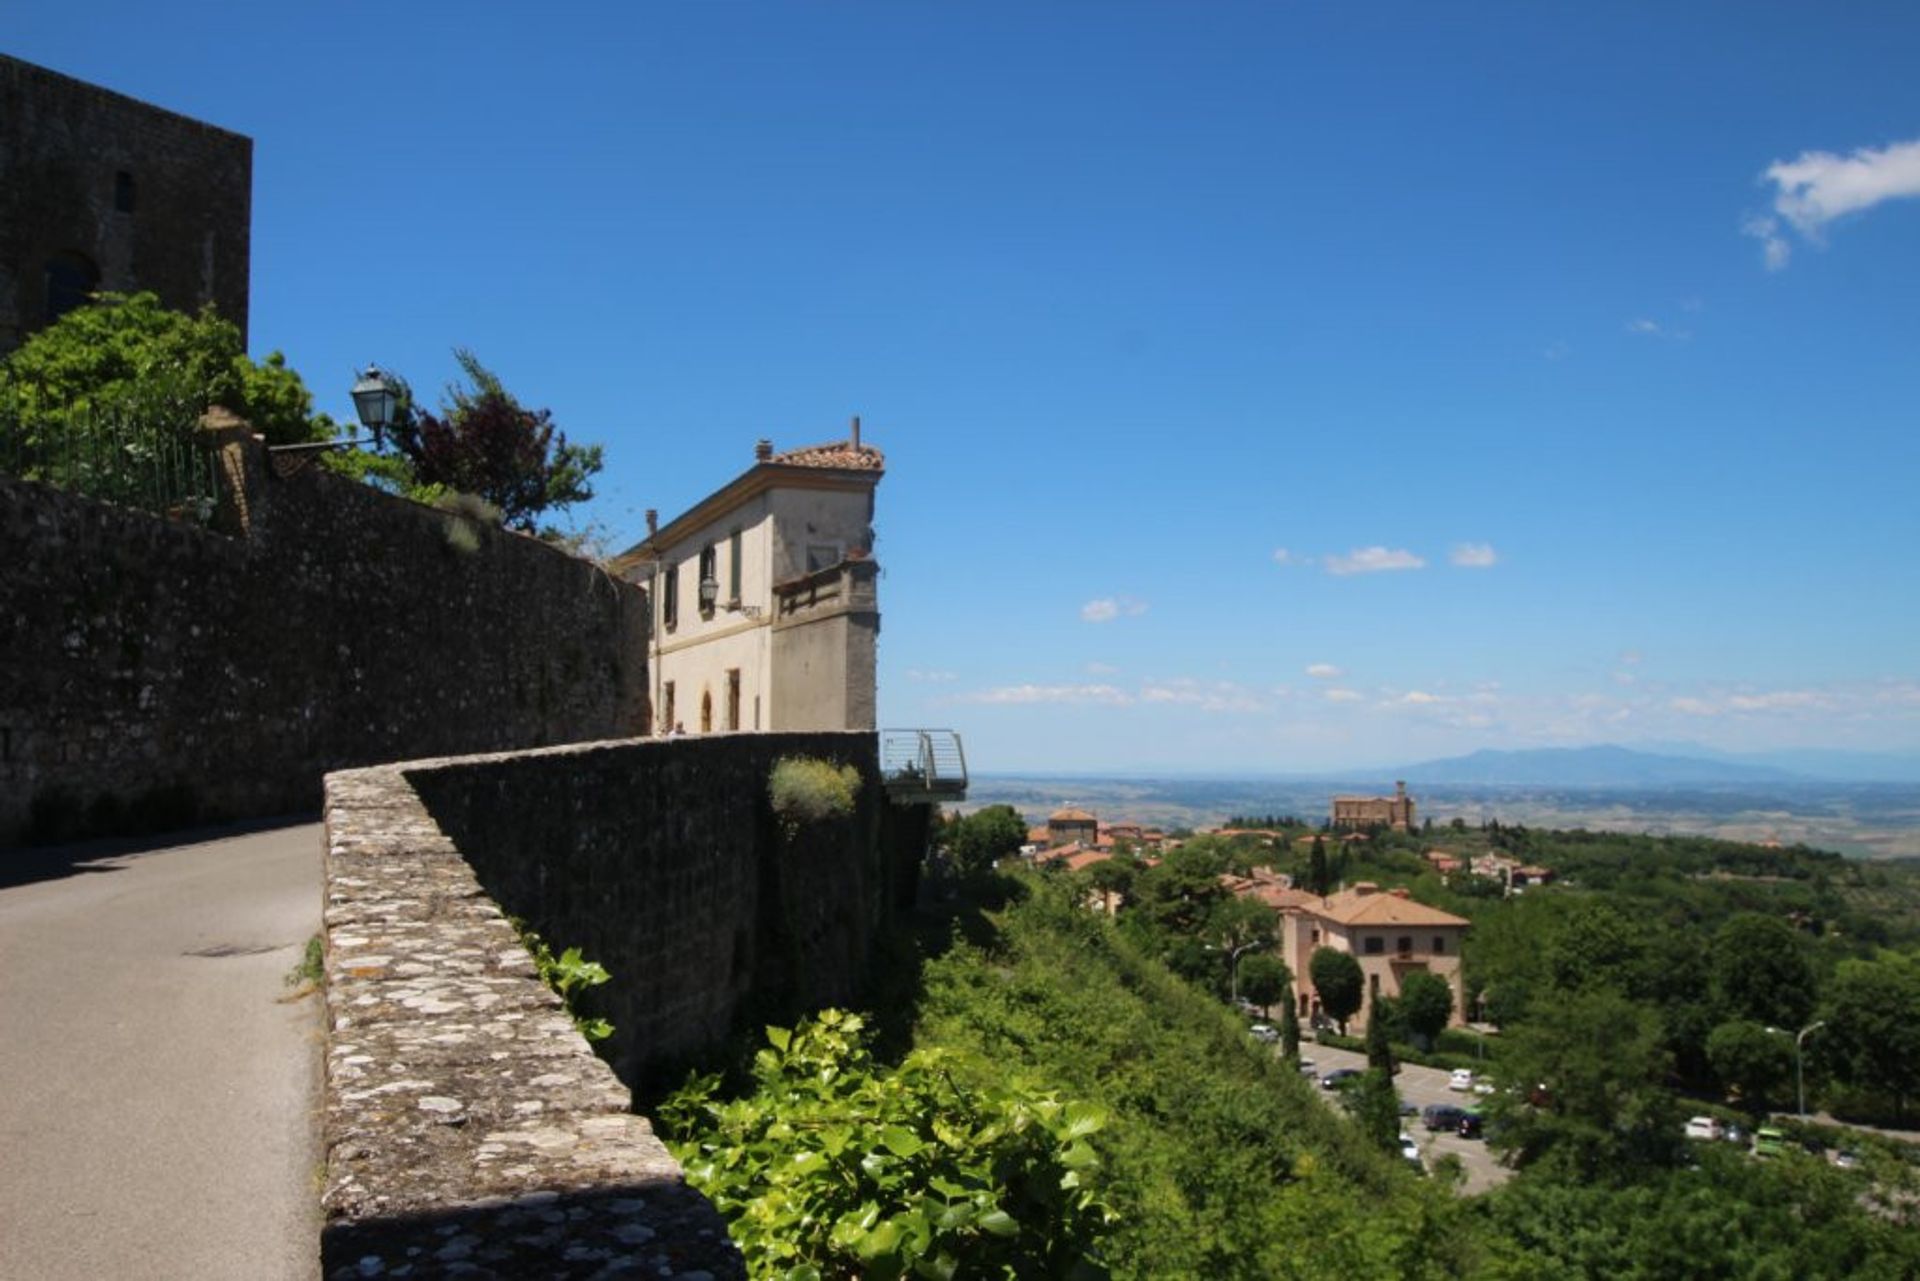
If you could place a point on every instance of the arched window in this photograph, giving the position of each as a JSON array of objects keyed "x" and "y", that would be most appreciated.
[
  {"x": 706, "y": 711},
  {"x": 71, "y": 280}
]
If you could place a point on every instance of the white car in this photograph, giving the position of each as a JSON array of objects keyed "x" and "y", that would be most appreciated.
[
  {"x": 1264, "y": 1032},
  {"x": 1409, "y": 1150},
  {"x": 1703, "y": 1127},
  {"x": 1462, "y": 1080}
]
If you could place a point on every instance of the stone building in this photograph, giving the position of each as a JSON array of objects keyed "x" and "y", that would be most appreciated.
[
  {"x": 765, "y": 615},
  {"x": 1072, "y": 826},
  {"x": 1387, "y": 932},
  {"x": 1394, "y": 811},
  {"x": 100, "y": 192}
]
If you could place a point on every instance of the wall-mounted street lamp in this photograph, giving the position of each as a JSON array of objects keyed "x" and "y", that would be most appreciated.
[
  {"x": 376, "y": 399},
  {"x": 709, "y": 593}
]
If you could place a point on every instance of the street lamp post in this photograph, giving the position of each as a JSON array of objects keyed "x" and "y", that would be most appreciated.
[
  {"x": 1233, "y": 966},
  {"x": 1800, "y": 1080}
]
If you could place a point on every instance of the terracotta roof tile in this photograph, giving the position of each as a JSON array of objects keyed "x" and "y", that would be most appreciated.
[
  {"x": 843, "y": 454},
  {"x": 1382, "y": 908}
]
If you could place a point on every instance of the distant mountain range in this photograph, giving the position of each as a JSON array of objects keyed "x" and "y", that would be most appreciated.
[{"x": 1612, "y": 766}]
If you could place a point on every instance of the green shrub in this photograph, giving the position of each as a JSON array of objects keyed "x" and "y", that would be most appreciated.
[
  {"x": 805, "y": 789},
  {"x": 835, "y": 1167}
]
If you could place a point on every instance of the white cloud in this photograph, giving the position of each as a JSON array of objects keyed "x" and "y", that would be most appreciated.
[
  {"x": 1694, "y": 707},
  {"x": 1420, "y": 697},
  {"x": 1004, "y": 695},
  {"x": 1473, "y": 555},
  {"x": 1338, "y": 695},
  {"x": 1281, "y": 556},
  {"x": 1776, "y": 700},
  {"x": 1108, "y": 608},
  {"x": 1325, "y": 671},
  {"x": 931, "y": 677},
  {"x": 1817, "y": 187},
  {"x": 1373, "y": 560},
  {"x": 1654, "y": 329},
  {"x": 1631, "y": 657},
  {"x": 1102, "y": 669},
  {"x": 1214, "y": 696}
]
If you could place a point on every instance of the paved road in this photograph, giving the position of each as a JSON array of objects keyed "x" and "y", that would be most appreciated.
[
  {"x": 157, "y": 1094},
  {"x": 1421, "y": 1086}
]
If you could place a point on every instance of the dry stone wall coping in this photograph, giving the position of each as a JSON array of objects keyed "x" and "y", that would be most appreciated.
[{"x": 470, "y": 1130}]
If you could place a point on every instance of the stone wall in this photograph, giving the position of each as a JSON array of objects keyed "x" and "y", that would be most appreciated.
[
  {"x": 155, "y": 672},
  {"x": 662, "y": 860},
  {"x": 467, "y": 1126},
  {"x": 469, "y": 1129},
  {"x": 149, "y": 200}
]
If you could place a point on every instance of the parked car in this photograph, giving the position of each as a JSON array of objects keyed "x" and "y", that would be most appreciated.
[
  {"x": 1306, "y": 1065},
  {"x": 1768, "y": 1142},
  {"x": 1264, "y": 1032},
  {"x": 1703, "y": 1127},
  {"x": 1471, "y": 1124},
  {"x": 1338, "y": 1077},
  {"x": 1441, "y": 1116},
  {"x": 1461, "y": 1079},
  {"x": 1409, "y": 1150},
  {"x": 1846, "y": 1160}
]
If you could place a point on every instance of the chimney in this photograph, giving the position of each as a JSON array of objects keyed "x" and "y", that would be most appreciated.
[
  {"x": 653, "y": 522},
  {"x": 762, "y": 450},
  {"x": 856, "y": 433}
]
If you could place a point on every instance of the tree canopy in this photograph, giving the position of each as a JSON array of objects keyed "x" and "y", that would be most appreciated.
[
  {"x": 1338, "y": 979},
  {"x": 484, "y": 442}
]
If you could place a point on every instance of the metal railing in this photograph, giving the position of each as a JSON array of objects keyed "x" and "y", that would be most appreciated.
[
  {"x": 154, "y": 463},
  {"x": 919, "y": 765}
]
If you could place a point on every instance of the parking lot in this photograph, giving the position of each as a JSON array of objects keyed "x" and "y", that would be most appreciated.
[{"x": 1420, "y": 1086}]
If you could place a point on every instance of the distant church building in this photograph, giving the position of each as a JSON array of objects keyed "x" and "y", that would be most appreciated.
[
  {"x": 1396, "y": 811},
  {"x": 103, "y": 193}
]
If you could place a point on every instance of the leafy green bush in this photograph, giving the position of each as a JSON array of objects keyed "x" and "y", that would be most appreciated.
[
  {"x": 568, "y": 974},
  {"x": 833, "y": 1167},
  {"x": 805, "y": 789}
]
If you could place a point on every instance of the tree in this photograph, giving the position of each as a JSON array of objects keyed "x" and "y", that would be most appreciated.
[
  {"x": 1112, "y": 878},
  {"x": 125, "y": 365},
  {"x": 1264, "y": 979},
  {"x": 1426, "y": 1004},
  {"x": 1375, "y": 1106},
  {"x": 1752, "y": 1060},
  {"x": 485, "y": 443},
  {"x": 983, "y": 838},
  {"x": 1760, "y": 971},
  {"x": 1585, "y": 1077},
  {"x": 1319, "y": 879},
  {"x": 1338, "y": 980},
  {"x": 1872, "y": 1035},
  {"x": 1380, "y": 1018},
  {"x": 1289, "y": 1028}
]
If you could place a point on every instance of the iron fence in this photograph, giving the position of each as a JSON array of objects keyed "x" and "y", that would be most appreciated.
[{"x": 150, "y": 461}]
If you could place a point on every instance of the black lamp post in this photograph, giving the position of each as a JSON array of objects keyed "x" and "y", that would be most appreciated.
[
  {"x": 376, "y": 398},
  {"x": 709, "y": 593}
]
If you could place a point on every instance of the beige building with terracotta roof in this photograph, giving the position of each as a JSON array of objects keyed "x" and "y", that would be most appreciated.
[
  {"x": 764, "y": 609},
  {"x": 1391, "y": 936}
]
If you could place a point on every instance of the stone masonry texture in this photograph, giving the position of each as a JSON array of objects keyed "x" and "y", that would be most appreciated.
[
  {"x": 469, "y": 1129},
  {"x": 150, "y": 200},
  {"x": 154, "y": 672}
]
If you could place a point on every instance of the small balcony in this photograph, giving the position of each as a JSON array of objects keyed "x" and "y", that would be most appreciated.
[{"x": 919, "y": 766}]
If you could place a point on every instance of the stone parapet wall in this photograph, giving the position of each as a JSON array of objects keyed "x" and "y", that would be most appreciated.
[
  {"x": 153, "y": 672},
  {"x": 469, "y": 1128},
  {"x": 467, "y": 1124}
]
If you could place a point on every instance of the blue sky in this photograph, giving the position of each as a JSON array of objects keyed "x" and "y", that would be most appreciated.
[{"x": 1264, "y": 386}]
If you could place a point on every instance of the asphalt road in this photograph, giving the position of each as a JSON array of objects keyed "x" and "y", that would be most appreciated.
[
  {"x": 1421, "y": 1086},
  {"x": 157, "y": 1092}
]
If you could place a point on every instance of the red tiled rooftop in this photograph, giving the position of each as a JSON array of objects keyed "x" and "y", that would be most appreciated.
[{"x": 843, "y": 454}]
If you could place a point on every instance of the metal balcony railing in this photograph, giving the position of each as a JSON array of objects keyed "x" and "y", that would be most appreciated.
[{"x": 921, "y": 765}]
